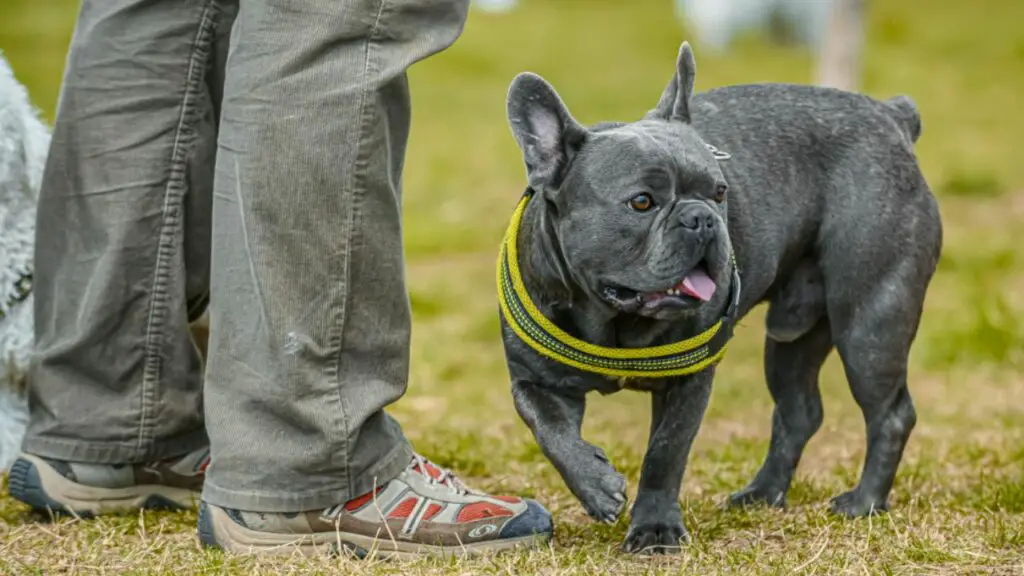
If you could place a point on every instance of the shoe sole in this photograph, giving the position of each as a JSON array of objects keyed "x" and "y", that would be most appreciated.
[
  {"x": 218, "y": 530},
  {"x": 33, "y": 481}
]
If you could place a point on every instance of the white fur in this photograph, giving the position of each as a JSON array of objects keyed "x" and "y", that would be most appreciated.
[{"x": 24, "y": 141}]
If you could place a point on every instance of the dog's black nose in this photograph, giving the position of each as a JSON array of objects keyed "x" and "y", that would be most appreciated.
[{"x": 696, "y": 217}]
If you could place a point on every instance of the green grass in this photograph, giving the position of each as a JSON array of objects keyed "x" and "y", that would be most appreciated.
[{"x": 958, "y": 504}]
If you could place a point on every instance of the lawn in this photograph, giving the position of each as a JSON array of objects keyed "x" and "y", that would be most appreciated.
[{"x": 958, "y": 503}]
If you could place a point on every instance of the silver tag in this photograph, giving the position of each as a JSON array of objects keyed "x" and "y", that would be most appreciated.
[{"x": 718, "y": 154}]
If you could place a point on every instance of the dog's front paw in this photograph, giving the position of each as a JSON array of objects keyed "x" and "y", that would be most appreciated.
[
  {"x": 599, "y": 487},
  {"x": 657, "y": 537},
  {"x": 853, "y": 504}
]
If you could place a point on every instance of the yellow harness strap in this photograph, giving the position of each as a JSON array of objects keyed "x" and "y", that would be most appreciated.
[{"x": 681, "y": 358}]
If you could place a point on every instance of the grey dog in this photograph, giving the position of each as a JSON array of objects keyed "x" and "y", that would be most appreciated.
[{"x": 628, "y": 240}]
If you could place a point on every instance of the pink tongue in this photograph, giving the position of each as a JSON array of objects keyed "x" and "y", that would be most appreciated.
[{"x": 699, "y": 285}]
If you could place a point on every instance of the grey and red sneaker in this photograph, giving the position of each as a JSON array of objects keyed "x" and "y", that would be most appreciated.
[
  {"x": 93, "y": 489},
  {"x": 426, "y": 510}
]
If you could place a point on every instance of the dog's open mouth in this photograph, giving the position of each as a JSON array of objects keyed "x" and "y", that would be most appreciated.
[{"x": 696, "y": 287}]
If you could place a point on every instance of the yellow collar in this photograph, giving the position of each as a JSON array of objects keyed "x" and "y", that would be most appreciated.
[{"x": 681, "y": 358}]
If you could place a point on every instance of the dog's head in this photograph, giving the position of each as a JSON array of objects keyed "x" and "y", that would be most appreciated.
[{"x": 637, "y": 212}]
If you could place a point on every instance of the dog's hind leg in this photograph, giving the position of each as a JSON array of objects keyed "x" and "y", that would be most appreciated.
[
  {"x": 875, "y": 317},
  {"x": 874, "y": 345},
  {"x": 791, "y": 369}
]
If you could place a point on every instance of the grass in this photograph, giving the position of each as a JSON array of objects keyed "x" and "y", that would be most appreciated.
[{"x": 958, "y": 504}]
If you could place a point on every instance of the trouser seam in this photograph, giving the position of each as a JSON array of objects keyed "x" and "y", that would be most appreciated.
[
  {"x": 171, "y": 229},
  {"x": 357, "y": 188}
]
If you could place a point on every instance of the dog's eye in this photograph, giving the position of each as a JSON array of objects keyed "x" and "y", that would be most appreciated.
[
  {"x": 641, "y": 202},
  {"x": 720, "y": 191}
]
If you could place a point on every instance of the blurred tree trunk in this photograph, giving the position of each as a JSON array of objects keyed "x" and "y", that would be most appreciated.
[{"x": 839, "y": 61}]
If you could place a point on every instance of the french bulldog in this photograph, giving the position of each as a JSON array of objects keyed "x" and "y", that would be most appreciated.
[{"x": 636, "y": 234}]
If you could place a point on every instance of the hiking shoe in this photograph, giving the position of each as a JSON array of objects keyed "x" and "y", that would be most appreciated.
[
  {"x": 426, "y": 510},
  {"x": 88, "y": 490}
]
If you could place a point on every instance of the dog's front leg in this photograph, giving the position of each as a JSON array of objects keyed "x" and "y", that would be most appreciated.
[
  {"x": 556, "y": 418},
  {"x": 656, "y": 523}
]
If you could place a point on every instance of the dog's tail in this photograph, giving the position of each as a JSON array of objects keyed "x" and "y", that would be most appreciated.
[{"x": 905, "y": 113}]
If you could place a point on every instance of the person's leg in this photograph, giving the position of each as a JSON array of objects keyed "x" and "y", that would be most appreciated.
[
  {"x": 122, "y": 261},
  {"x": 309, "y": 316}
]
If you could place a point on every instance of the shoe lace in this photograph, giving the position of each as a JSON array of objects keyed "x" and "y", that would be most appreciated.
[{"x": 444, "y": 477}]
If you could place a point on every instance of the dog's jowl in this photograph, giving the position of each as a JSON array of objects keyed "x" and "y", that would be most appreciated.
[{"x": 637, "y": 246}]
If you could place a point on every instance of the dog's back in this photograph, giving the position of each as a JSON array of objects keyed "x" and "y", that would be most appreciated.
[{"x": 832, "y": 165}]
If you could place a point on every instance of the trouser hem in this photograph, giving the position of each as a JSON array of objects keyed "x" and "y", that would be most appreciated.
[
  {"x": 125, "y": 452},
  {"x": 387, "y": 469}
]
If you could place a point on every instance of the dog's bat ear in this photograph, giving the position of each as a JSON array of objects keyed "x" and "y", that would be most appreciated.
[
  {"x": 674, "y": 104},
  {"x": 546, "y": 132}
]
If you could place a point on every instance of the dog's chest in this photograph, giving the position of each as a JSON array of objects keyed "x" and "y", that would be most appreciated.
[
  {"x": 641, "y": 384},
  {"x": 609, "y": 385}
]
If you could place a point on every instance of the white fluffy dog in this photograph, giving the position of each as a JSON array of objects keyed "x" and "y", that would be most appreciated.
[{"x": 24, "y": 141}]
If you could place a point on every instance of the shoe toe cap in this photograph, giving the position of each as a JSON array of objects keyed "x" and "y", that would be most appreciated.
[{"x": 536, "y": 520}]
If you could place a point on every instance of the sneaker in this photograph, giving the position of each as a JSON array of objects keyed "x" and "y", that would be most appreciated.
[
  {"x": 88, "y": 490},
  {"x": 426, "y": 510}
]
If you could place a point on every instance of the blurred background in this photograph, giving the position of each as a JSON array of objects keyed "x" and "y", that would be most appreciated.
[{"x": 962, "y": 62}]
